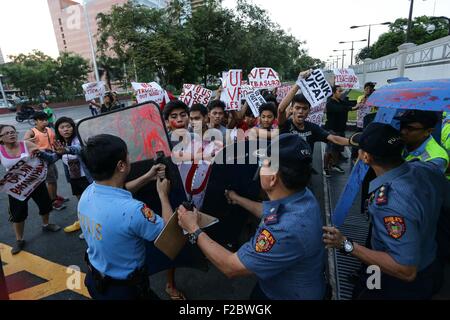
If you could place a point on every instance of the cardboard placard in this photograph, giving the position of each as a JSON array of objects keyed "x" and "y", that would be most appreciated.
[
  {"x": 193, "y": 94},
  {"x": 231, "y": 93},
  {"x": 346, "y": 78},
  {"x": 255, "y": 100},
  {"x": 24, "y": 177},
  {"x": 316, "y": 114},
  {"x": 93, "y": 90},
  {"x": 172, "y": 238},
  {"x": 148, "y": 92},
  {"x": 282, "y": 92},
  {"x": 264, "y": 78},
  {"x": 315, "y": 88}
]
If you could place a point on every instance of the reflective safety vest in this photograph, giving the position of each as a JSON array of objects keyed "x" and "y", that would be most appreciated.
[
  {"x": 445, "y": 140},
  {"x": 432, "y": 150}
]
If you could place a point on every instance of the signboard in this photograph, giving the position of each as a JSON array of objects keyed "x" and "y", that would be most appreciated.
[
  {"x": 346, "y": 78},
  {"x": 246, "y": 90},
  {"x": 193, "y": 94},
  {"x": 255, "y": 100},
  {"x": 282, "y": 92},
  {"x": 148, "y": 92},
  {"x": 315, "y": 88},
  {"x": 316, "y": 114},
  {"x": 24, "y": 177},
  {"x": 264, "y": 78},
  {"x": 231, "y": 93},
  {"x": 94, "y": 90}
]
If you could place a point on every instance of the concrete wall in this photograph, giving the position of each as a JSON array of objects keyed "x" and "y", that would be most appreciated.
[{"x": 425, "y": 62}]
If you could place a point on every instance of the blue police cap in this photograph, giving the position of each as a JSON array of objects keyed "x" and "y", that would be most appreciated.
[
  {"x": 291, "y": 150},
  {"x": 379, "y": 139}
]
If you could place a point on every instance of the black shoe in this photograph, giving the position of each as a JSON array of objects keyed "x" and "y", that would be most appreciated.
[
  {"x": 18, "y": 246},
  {"x": 342, "y": 157},
  {"x": 51, "y": 227},
  {"x": 326, "y": 173}
]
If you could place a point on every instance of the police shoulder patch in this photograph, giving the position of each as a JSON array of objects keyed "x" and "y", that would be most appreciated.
[
  {"x": 148, "y": 213},
  {"x": 264, "y": 241},
  {"x": 395, "y": 226}
]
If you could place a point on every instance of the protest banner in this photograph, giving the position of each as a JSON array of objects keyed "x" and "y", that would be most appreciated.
[
  {"x": 316, "y": 114},
  {"x": 231, "y": 93},
  {"x": 264, "y": 78},
  {"x": 193, "y": 94},
  {"x": 246, "y": 89},
  {"x": 24, "y": 177},
  {"x": 282, "y": 91},
  {"x": 346, "y": 78},
  {"x": 255, "y": 100},
  {"x": 315, "y": 88},
  {"x": 94, "y": 90},
  {"x": 148, "y": 92}
]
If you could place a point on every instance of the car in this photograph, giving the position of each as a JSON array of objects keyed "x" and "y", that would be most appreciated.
[{"x": 10, "y": 104}]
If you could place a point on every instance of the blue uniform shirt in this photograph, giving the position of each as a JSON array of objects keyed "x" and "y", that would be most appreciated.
[
  {"x": 404, "y": 206},
  {"x": 115, "y": 227},
  {"x": 287, "y": 253}
]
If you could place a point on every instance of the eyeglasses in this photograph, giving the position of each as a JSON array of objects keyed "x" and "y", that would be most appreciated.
[{"x": 9, "y": 133}]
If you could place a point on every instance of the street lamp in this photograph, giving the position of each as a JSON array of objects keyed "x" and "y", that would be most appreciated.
[
  {"x": 352, "y": 49},
  {"x": 370, "y": 25},
  {"x": 343, "y": 55},
  {"x": 3, "y": 91},
  {"x": 337, "y": 60}
]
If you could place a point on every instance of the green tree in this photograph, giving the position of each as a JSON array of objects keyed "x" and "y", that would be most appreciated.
[
  {"x": 71, "y": 73},
  {"x": 31, "y": 73},
  {"x": 389, "y": 42}
]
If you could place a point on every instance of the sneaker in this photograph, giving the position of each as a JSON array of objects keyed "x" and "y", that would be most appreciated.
[
  {"x": 326, "y": 173},
  {"x": 342, "y": 157},
  {"x": 51, "y": 227},
  {"x": 58, "y": 205},
  {"x": 337, "y": 168},
  {"x": 81, "y": 236},
  {"x": 73, "y": 227},
  {"x": 62, "y": 199},
  {"x": 18, "y": 246}
]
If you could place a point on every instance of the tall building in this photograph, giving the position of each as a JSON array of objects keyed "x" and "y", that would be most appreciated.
[
  {"x": 2, "y": 61},
  {"x": 69, "y": 22}
]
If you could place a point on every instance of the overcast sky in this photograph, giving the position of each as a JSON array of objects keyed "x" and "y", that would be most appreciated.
[{"x": 26, "y": 24}]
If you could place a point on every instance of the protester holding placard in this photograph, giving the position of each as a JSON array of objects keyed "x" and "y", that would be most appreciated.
[
  {"x": 11, "y": 152},
  {"x": 265, "y": 128},
  {"x": 301, "y": 107}
]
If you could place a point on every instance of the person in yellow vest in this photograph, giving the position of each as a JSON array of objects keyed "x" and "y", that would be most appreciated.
[
  {"x": 416, "y": 127},
  {"x": 445, "y": 137}
]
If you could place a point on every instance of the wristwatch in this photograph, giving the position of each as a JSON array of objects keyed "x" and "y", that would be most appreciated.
[
  {"x": 192, "y": 237},
  {"x": 347, "y": 246}
]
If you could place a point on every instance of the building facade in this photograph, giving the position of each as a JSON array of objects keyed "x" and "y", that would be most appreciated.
[{"x": 69, "y": 22}]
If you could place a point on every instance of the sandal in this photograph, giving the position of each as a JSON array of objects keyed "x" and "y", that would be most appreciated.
[{"x": 175, "y": 294}]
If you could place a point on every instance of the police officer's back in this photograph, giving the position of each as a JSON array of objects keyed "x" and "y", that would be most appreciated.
[
  {"x": 404, "y": 207},
  {"x": 114, "y": 224}
]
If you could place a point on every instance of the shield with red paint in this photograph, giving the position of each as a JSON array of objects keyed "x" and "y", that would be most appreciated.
[{"x": 432, "y": 95}]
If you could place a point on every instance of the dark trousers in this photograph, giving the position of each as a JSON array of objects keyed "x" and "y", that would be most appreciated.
[
  {"x": 18, "y": 210},
  {"x": 119, "y": 291}
]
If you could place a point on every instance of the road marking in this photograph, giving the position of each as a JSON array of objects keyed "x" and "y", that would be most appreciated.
[{"x": 55, "y": 274}]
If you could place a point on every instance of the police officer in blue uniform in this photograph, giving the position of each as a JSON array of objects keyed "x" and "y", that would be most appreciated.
[
  {"x": 404, "y": 207},
  {"x": 286, "y": 253},
  {"x": 115, "y": 225}
]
